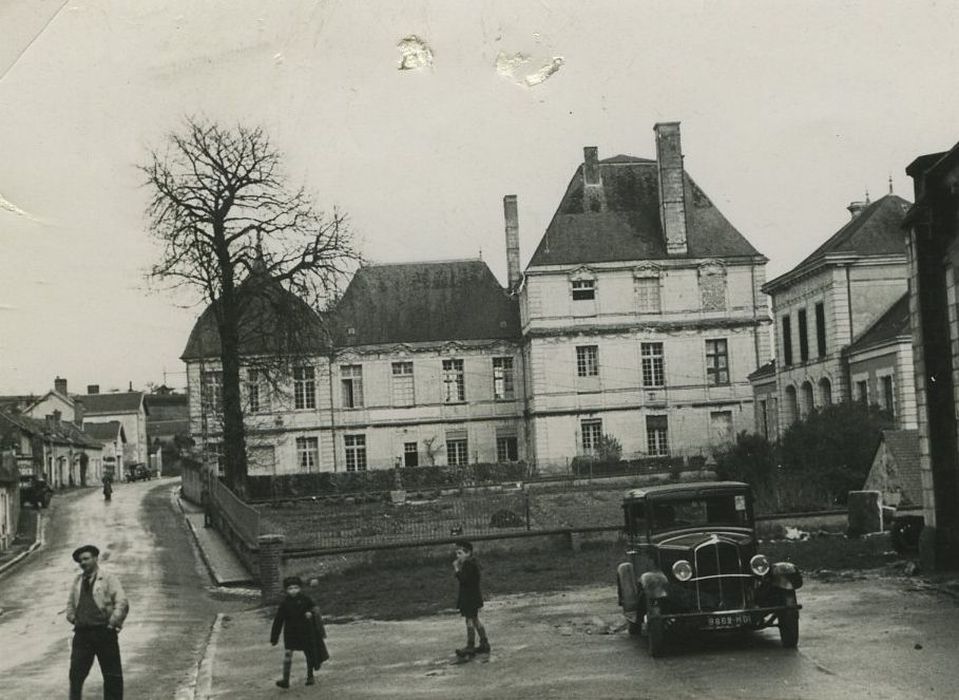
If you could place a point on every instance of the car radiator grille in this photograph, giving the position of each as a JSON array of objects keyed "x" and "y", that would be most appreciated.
[{"x": 727, "y": 591}]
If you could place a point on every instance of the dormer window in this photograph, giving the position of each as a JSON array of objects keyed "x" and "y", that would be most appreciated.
[{"x": 584, "y": 290}]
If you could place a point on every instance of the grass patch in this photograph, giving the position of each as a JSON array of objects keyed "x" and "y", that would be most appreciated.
[{"x": 398, "y": 585}]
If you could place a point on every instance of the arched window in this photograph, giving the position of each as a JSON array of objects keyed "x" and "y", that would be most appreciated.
[
  {"x": 808, "y": 399},
  {"x": 825, "y": 391},
  {"x": 791, "y": 409}
]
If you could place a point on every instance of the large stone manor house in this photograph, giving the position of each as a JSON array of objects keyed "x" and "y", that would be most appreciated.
[{"x": 640, "y": 315}]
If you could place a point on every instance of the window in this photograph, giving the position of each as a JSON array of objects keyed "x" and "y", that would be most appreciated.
[
  {"x": 862, "y": 392},
  {"x": 647, "y": 294},
  {"x": 456, "y": 451},
  {"x": 652, "y": 361},
  {"x": 803, "y": 336},
  {"x": 454, "y": 382},
  {"x": 762, "y": 419},
  {"x": 657, "y": 436},
  {"x": 257, "y": 392},
  {"x": 787, "y": 342},
  {"x": 216, "y": 457},
  {"x": 821, "y": 329},
  {"x": 587, "y": 361},
  {"x": 503, "y": 378},
  {"x": 888, "y": 397},
  {"x": 355, "y": 452},
  {"x": 213, "y": 391},
  {"x": 592, "y": 430},
  {"x": 717, "y": 362},
  {"x": 351, "y": 378},
  {"x": 308, "y": 453},
  {"x": 507, "y": 448},
  {"x": 403, "y": 384},
  {"x": 584, "y": 290},
  {"x": 304, "y": 387},
  {"x": 411, "y": 456}
]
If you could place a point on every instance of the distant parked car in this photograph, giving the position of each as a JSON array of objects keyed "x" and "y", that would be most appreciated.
[
  {"x": 693, "y": 565},
  {"x": 139, "y": 472},
  {"x": 35, "y": 489}
]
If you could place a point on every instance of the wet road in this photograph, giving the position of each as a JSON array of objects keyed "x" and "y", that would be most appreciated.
[{"x": 145, "y": 542}]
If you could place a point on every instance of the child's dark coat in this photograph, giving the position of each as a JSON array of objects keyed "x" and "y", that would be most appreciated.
[
  {"x": 470, "y": 599},
  {"x": 300, "y": 633}
]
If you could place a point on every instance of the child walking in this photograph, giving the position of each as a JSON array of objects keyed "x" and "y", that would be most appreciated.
[
  {"x": 469, "y": 600},
  {"x": 302, "y": 629}
]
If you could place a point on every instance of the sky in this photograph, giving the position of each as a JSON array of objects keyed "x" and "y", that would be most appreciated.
[{"x": 789, "y": 111}]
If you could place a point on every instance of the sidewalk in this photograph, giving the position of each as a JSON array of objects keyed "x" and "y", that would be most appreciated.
[
  {"x": 28, "y": 539},
  {"x": 223, "y": 564}
]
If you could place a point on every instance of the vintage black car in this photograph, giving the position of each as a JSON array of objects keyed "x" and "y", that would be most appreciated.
[
  {"x": 693, "y": 565},
  {"x": 35, "y": 490}
]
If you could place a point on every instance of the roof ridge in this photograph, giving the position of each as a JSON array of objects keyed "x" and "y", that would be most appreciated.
[{"x": 422, "y": 262}]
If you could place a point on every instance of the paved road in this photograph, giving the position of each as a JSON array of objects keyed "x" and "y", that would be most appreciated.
[
  {"x": 145, "y": 541},
  {"x": 858, "y": 640}
]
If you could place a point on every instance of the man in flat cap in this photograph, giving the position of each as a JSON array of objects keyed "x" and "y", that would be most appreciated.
[{"x": 96, "y": 607}]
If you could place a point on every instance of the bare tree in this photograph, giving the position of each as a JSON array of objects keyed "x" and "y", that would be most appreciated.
[{"x": 253, "y": 248}]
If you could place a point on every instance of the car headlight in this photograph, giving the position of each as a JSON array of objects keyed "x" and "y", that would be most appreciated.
[
  {"x": 759, "y": 564},
  {"x": 682, "y": 570}
]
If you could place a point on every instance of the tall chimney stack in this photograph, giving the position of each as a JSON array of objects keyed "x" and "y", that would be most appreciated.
[
  {"x": 60, "y": 385},
  {"x": 594, "y": 198},
  {"x": 672, "y": 187},
  {"x": 511, "y": 215},
  {"x": 93, "y": 388}
]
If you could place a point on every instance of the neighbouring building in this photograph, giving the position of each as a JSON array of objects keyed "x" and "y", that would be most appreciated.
[
  {"x": 841, "y": 328},
  {"x": 9, "y": 498},
  {"x": 168, "y": 427},
  {"x": 895, "y": 469},
  {"x": 113, "y": 438},
  {"x": 127, "y": 408},
  {"x": 640, "y": 316},
  {"x": 56, "y": 449},
  {"x": 933, "y": 246}
]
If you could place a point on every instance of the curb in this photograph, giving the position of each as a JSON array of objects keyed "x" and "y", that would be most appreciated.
[
  {"x": 211, "y": 571},
  {"x": 38, "y": 542},
  {"x": 203, "y": 681}
]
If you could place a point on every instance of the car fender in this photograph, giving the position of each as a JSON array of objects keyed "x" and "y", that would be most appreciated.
[
  {"x": 628, "y": 592},
  {"x": 786, "y": 576},
  {"x": 654, "y": 584}
]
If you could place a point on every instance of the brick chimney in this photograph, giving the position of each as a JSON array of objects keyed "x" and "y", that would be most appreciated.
[
  {"x": 672, "y": 187},
  {"x": 60, "y": 385},
  {"x": 93, "y": 388},
  {"x": 511, "y": 216},
  {"x": 594, "y": 197}
]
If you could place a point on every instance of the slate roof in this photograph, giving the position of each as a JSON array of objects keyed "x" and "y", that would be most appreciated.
[
  {"x": 629, "y": 227},
  {"x": 62, "y": 432},
  {"x": 273, "y": 320},
  {"x": 110, "y": 404},
  {"x": 104, "y": 432},
  {"x": 892, "y": 324},
  {"x": 903, "y": 445},
  {"x": 767, "y": 370},
  {"x": 422, "y": 302},
  {"x": 877, "y": 230}
]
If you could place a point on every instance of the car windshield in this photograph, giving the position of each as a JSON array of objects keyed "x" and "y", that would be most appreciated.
[{"x": 726, "y": 509}]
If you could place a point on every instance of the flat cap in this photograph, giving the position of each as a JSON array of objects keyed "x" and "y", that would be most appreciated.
[{"x": 92, "y": 548}]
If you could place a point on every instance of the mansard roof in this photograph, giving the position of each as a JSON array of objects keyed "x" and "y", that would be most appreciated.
[
  {"x": 894, "y": 323},
  {"x": 425, "y": 302},
  {"x": 628, "y": 227}
]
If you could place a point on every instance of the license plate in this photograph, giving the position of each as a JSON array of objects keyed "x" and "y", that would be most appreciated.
[{"x": 719, "y": 622}]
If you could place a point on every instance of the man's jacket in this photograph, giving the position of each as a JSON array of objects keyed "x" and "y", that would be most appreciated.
[{"x": 108, "y": 596}]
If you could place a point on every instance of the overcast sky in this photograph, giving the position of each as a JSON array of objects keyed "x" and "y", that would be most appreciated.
[{"x": 789, "y": 111}]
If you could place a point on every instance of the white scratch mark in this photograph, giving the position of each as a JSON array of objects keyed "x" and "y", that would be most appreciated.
[
  {"x": 9, "y": 206},
  {"x": 278, "y": 58},
  {"x": 416, "y": 53},
  {"x": 512, "y": 66}
]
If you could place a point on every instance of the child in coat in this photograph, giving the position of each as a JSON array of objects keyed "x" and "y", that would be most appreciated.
[
  {"x": 298, "y": 618},
  {"x": 470, "y": 599}
]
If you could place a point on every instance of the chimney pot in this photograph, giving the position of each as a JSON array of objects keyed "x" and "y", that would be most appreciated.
[
  {"x": 672, "y": 186},
  {"x": 511, "y": 216}
]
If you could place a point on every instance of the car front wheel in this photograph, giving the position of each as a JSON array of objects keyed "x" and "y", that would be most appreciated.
[
  {"x": 655, "y": 630},
  {"x": 789, "y": 622}
]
